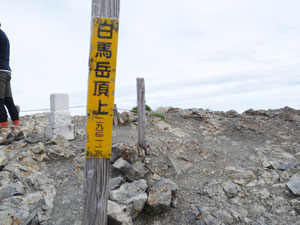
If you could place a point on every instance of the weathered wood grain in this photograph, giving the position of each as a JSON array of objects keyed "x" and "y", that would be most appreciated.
[
  {"x": 141, "y": 113},
  {"x": 106, "y": 8},
  {"x": 97, "y": 170},
  {"x": 96, "y": 192},
  {"x": 116, "y": 116}
]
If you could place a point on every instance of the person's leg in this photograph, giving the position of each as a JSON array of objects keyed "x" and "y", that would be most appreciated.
[
  {"x": 13, "y": 112},
  {"x": 3, "y": 113},
  {"x": 12, "y": 109},
  {"x": 5, "y": 136},
  {"x": 10, "y": 105}
]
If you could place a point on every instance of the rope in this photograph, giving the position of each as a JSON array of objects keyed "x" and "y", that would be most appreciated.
[{"x": 39, "y": 110}]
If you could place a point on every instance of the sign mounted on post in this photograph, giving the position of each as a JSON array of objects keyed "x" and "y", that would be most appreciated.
[{"x": 101, "y": 87}]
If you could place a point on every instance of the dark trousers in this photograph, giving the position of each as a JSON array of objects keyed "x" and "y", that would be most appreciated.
[{"x": 6, "y": 98}]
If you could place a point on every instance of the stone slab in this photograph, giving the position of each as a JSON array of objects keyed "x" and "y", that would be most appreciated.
[{"x": 59, "y": 102}]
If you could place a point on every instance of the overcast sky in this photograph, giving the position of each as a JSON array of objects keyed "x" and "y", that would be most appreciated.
[{"x": 216, "y": 54}]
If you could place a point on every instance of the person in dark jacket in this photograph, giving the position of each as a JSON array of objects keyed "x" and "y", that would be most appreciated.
[{"x": 7, "y": 135}]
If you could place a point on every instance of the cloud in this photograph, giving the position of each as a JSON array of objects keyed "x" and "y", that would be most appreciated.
[{"x": 189, "y": 54}]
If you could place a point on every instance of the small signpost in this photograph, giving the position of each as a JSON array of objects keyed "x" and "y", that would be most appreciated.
[{"x": 100, "y": 107}]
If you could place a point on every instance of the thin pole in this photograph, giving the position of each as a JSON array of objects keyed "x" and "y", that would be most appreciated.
[{"x": 141, "y": 113}]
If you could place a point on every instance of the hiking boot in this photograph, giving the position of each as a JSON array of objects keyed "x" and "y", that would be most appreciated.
[
  {"x": 17, "y": 132},
  {"x": 5, "y": 136}
]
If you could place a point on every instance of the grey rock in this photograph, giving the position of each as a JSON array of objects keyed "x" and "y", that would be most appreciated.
[
  {"x": 162, "y": 125},
  {"x": 257, "y": 210},
  {"x": 5, "y": 178},
  {"x": 78, "y": 222},
  {"x": 11, "y": 190},
  {"x": 231, "y": 189},
  {"x": 133, "y": 117},
  {"x": 123, "y": 118},
  {"x": 117, "y": 214},
  {"x": 264, "y": 193},
  {"x": 61, "y": 141},
  {"x": 3, "y": 158},
  {"x": 162, "y": 110},
  {"x": 35, "y": 218},
  {"x": 132, "y": 172},
  {"x": 270, "y": 177},
  {"x": 39, "y": 148},
  {"x": 34, "y": 138},
  {"x": 116, "y": 153},
  {"x": 295, "y": 176},
  {"x": 161, "y": 194},
  {"x": 125, "y": 168},
  {"x": 27, "y": 209},
  {"x": 180, "y": 162},
  {"x": 132, "y": 195},
  {"x": 232, "y": 113},
  {"x": 39, "y": 182},
  {"x": 114, "y": 183},
  {"x": 60, "y": 151},
  {"x": 267, "y": 164},
  {"x": 296, "y": 205},
  {"x": 287, "y": 166},
  {"x": 165, "y": 183},
  {"x": 130, "y": 154},
  {"x": 294, "y": 187},
  {"x": 285, "y": 175},
  {"x": 192, "y": 215},
  {"x": 142, "y": 171},
  {"x": 121, "y": 164},
  {"x": 240, "y": 175},
  {"x": 208, "y": 219},
  {"x": 223, "y": 216}
]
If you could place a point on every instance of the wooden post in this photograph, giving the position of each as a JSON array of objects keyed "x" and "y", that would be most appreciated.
[
  {"x": 141, "y": 113},
  {"x": 116, "y": 116},
  {"x": 100, "y": 106}
]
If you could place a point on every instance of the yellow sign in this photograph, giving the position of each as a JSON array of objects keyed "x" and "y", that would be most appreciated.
[{"x": 101, "y": 87}]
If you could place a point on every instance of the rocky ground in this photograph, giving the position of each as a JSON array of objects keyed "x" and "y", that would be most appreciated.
[{"x": 202, "y": 168}]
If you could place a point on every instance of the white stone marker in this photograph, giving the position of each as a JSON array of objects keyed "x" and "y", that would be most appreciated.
[{"x": 60, "y": 117}]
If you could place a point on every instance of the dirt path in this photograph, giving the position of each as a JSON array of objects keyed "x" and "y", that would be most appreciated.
[{"x": 200, "y": 154}]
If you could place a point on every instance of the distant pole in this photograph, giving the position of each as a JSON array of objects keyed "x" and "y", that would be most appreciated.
[
  {"x": 100, "y": 108},
  {"x": 116, "y": 116},
  {"x": 141, "y": 113}
]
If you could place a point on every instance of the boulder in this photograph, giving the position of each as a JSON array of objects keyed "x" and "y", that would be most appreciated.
[
  {"x": 11, "y": 190},
  {"x": 115, "y": 183},
  {"x": 116, "y": 153},
  {"x": 161, "y": 194},
  {"x": 132, "y": 172},
  {"x": 117, "y": 214},
  {"x": 132, "y": 195}
]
